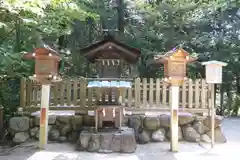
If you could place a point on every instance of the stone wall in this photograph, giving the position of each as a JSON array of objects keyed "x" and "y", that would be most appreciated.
[
  {"x": 192, "y": 128},
  {"x": 63, "y": 128}
]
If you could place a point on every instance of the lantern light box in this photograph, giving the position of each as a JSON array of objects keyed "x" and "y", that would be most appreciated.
[
  {"x": 46, "y": 64},
  {"x": 175, "y": 64},
  {"x": 213, "y": 71}
]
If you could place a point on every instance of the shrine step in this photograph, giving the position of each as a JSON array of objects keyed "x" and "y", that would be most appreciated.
[{"x": 108, "y": 141}]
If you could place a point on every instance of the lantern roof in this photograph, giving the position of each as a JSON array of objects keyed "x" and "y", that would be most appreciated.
[
  {"x": 175, "y": 53},
  {"x": 42, "y": 51},
  {"x": 214, "y": 62}
]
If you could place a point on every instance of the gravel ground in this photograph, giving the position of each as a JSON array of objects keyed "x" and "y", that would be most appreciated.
[{"x": 153, "y": 151}]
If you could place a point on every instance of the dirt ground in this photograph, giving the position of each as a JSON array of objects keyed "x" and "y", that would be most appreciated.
[{"x": 153, "y": 151}]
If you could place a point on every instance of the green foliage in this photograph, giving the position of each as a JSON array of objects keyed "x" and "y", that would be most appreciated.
[{"x": 23, "y": 26}]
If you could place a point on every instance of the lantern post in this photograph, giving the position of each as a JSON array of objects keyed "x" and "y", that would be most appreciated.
[
  {"x": 175, "y": 64},
  {"x": 46, "y": 71},
  {"x": 213, "y": 73}
]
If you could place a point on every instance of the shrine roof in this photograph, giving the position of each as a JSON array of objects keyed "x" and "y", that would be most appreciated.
[{"x": 109, "y": 44}]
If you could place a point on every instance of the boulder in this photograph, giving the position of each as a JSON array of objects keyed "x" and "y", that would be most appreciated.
[
  {"x": 63, "y": 139},
  {"x": 219, "y": 136},
  {"x": 190, "y": 134},
  {"x": 19, "y": 124},
  {"x": 185, "y": 118},
  {"x": 134, "y": 122},
  {"x": 31, "y": 122},
  {"x": 64, "y": 119},
  {"x": 144, "y": 137},
  {"x": 77, "y": 122},
  {"x": 37, "y": 134},
  {"x": 33, "y": 131},
  {"x": 54, "y": 134},
  {"x": 205, "y": 138},
  {"x": 83, "y": 140},
  {"x": 151, "y": 123},
  {"x": 218, "y": 120},
  {"x": 51, "y": 120},
  {"x": 200, "y": 127},
  {"x": 20, "y": 137},
  {"x": 180, "y": 134},
  {"x": 65, "y": 130},
  {"x": 159, "y": 135},
  {"x": 165, "y": 120},
  {"x": 72, "y": 137}
]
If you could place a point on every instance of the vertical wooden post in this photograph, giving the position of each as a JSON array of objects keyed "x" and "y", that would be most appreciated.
[
  {"x": 120, "y": 100},
  {"x": 174, "y": 117},
  {"x": 144, "y": 87},
  {"x": 23, "y": 93},
  {"x": 96, "y": 119},
  {"x": 83, "y": 92},
  {"x": 1, "y": 123},
  {"x": 137, "y": 90},
  {"x": 151, "y": 92},
  {"x": 212, "y": 116},
  {"x": 43, "y": 137}
]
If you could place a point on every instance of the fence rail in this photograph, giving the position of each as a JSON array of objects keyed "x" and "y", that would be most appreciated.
[{"x": 145, "y": 94}]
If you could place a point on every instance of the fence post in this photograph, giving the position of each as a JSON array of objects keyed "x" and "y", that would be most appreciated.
[
  {"x": 137, "y": 91},
  {"x": 23, "y": 93},
  {"x": 1, "y": 123},
  {"x": 190, "y": 93},
  {"x": 83, "y": 89}
]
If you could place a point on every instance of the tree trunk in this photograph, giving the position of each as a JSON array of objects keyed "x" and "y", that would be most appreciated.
[
  {"x": 229, "y": 100},
  {"x": 120, "y": 9}
]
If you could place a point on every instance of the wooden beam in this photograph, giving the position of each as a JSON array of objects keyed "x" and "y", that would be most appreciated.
[{"x": 165, "y": 109}]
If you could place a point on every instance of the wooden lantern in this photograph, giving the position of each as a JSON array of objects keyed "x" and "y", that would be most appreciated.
[
  {"x": 213, "y": 71},
  {"x": 46, "y": 64},
  {"x": 175, "y": 65}
]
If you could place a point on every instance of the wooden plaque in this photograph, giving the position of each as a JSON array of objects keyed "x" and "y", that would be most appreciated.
[
  {"x": 214, "y": 73},
  {"x": 44, "y": 66},
  {"x": 177, "y": 69}
]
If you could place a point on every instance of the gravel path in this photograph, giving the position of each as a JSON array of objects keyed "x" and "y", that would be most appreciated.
[{"x": 153, "y": 151}]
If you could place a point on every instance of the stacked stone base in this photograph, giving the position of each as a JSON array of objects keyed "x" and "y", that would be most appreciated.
[
  {"x": 122, "y": 141},
  {"x": 145, "y": 129},
  {"x": 192, "y": 128}
]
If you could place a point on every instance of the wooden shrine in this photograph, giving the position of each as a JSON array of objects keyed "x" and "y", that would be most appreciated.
[
  {"x": 110, "y": 58},
  {"x": 111, "y": 61}
]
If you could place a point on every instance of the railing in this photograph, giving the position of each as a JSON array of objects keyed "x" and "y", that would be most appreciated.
[{"x": 145, "y": 94}]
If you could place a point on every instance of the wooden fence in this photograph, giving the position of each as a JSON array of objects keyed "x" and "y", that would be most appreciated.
[{"x": 145, "y": 95}]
